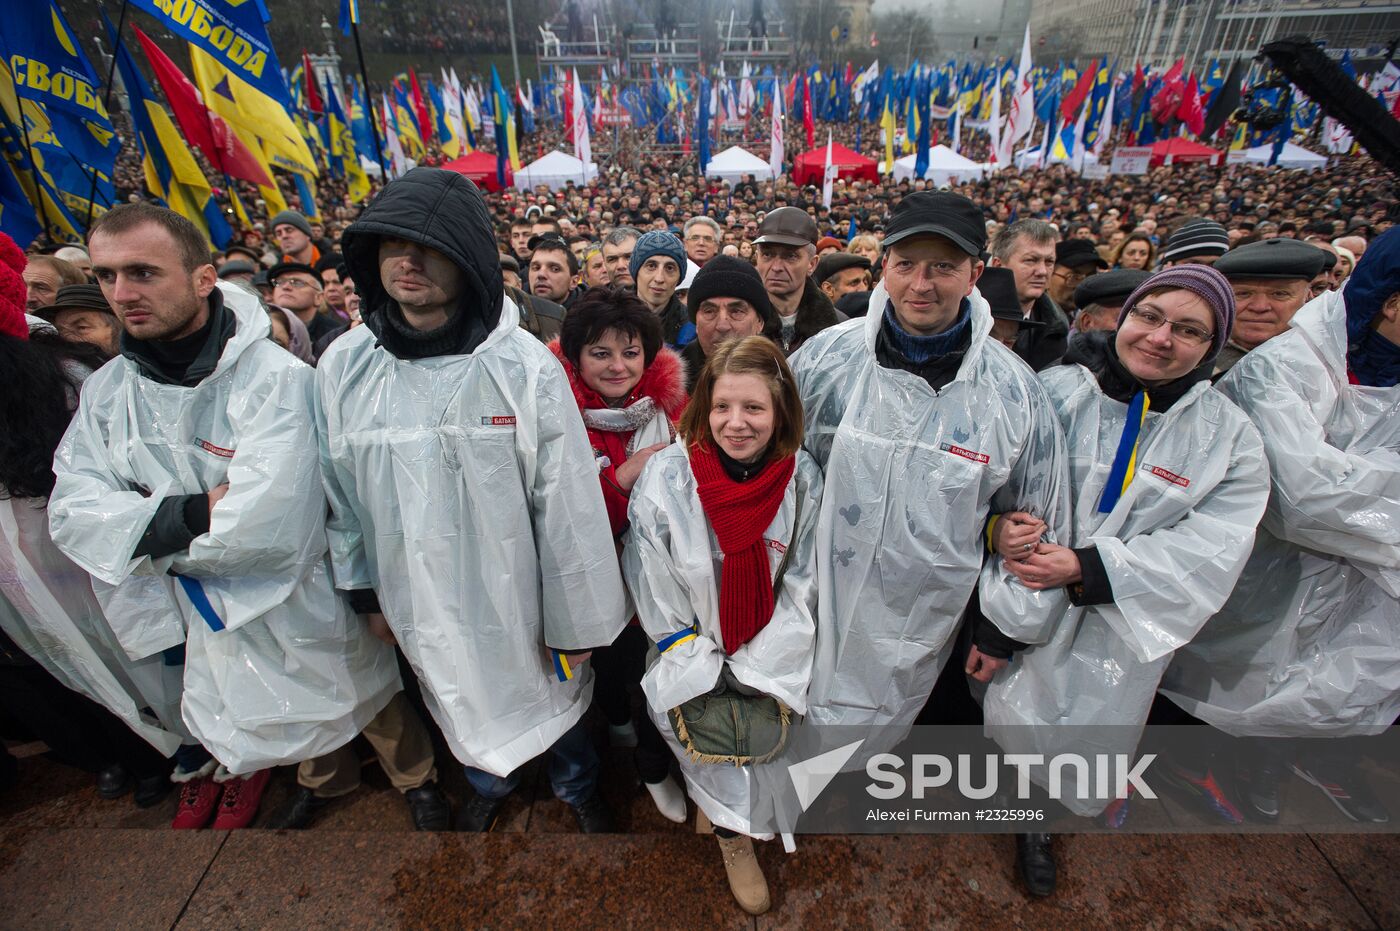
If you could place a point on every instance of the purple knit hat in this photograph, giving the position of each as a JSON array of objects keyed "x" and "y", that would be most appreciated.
[{"x": 1204, "y": 282}]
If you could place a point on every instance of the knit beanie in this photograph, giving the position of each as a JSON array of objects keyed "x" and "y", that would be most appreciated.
[
  {"x": 1196, "y": 237},
  {"x": 657, "y": 242},
  {"x": 291, "y": 218},
  {"x": 13, "y": 292},
  {"x": 1204, "y": 282},
  {"x": 727, "y": 276}
]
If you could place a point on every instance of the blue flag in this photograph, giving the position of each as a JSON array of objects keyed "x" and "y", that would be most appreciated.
[{"x": 702, "y": 127}]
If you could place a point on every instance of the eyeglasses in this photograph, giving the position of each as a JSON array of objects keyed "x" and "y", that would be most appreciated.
[
  {"x": 296, "y": 284},
  {"x": 1186, "y": 332}
]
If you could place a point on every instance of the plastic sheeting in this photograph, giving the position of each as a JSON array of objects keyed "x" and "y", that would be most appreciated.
[
  {"x": 1309, "y": 643},
  {"x": 277, "y": 670},
  {"x": 672, "y": 563},
  {"x": 1173, "y": 547},
  {"x": 465, "y": 493},
  {"x": 911, "y": 476},
  {"x": 48, "y": 609}
]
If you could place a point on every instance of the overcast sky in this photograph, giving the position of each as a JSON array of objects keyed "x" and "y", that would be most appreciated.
[{"x": 989, "y": 10}]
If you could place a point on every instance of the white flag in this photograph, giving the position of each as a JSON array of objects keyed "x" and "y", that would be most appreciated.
[
  {"x": 1022, "y": 114},
  {"x": 582, "y": 151},
  {"x": 994, "y": 128},
  {"x": 775, "y": 155},
  {"x": 398, "y": 164},
  {"x": 828, "y": 174}
]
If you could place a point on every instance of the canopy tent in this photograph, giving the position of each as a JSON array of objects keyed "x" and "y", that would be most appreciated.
[
  {"x": 556, "y": 169},
  {"x": 944, "y": 167},
  {"x": 480, "y": 169},
  {"x": 1029, "y": 158},
  {"x": 734, "y": 163},
  {"x": 809, "y": 167},
  {"x": 1292, "y": 156},
  {"x": 1182, "y": 150}
]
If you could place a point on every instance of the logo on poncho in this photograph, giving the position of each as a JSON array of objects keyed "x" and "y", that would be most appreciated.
[{"x": 966, "y": 453}]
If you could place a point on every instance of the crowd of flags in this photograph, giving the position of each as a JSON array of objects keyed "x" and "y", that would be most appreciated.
[{"x": 252, "y": 120}]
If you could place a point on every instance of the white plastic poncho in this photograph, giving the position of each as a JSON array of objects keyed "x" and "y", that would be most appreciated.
[
  {"x": 1172, "y": 546},
  {"x": 1309, "y": 644},
  {"x": 672, "y": 562},
  {"x": 48, "y": 609},
  {"x": 277, "y": 669},
  {"x": 465, "y": 493},
  {"x": 911, "y": 475}
]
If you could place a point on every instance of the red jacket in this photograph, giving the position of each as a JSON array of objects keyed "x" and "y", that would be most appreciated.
[{"x": 664, "y": 382}]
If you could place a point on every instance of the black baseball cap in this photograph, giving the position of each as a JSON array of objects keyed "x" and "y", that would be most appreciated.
[
  {"x": 939, "y": 213},
  {"x": 282, "y": 268}
]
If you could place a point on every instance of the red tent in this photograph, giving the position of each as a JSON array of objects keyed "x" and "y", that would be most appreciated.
[
  {"x": 808, "y": 167},
  {"x": 1183, "y": 150},
  {"x": 480, "y": 167}
]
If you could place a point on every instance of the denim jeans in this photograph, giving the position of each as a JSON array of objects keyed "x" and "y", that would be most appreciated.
[{"x": 573, "y": 770}]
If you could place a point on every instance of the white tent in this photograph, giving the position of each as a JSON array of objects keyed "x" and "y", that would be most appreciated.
[
  {"x": 734, "y": 163},
  {"x": 1292, "y": 156},
  {"x": 1028, "y": 158},
  {"x": 556, "y": 169},
  {"x": 944, "y": 167}
]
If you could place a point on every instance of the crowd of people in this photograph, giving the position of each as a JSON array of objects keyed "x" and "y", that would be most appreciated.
[{"x": 1118, "y": 451}]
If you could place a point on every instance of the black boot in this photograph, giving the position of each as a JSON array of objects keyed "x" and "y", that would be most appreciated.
[
  {"x": 1035, "y": 861},
  {"x": 114, "y": 781},
  {"x": 430, "y": 808},
  {"x": 152, "y": 790},
  {"x": 479, "y": 814},
  {"x": 593, "y": 816},
  {"x": 298, "y": 812}
]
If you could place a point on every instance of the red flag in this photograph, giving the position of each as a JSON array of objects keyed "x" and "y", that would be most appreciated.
[
  {"x": 202, "y": 127},
  {"x": 420, "y": 109},
  {"x": 1069, "y": 110},
  {"x": 790, "y": 95},
  {"x": 313, "y": 91},
  {"x": 1138, "y": 78},
  {"x": 1191, "y": 112},
  {"x": 568, "y": 108},
  {"x": 808, "y": 114}
]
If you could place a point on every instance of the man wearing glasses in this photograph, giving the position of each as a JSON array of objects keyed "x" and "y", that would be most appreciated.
[
  {"x": 701, "y": 240},
  {"x": 297, "y": 287}
]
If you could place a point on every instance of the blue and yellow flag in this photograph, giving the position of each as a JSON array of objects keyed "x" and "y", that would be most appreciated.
[
  {"x": 349, "y": 13},
  {"x": 503, "y": 116},
  {"x": 17, "y": 217},
  {"x": 27, "y": 162},
  {"x": 261, "y": 121},
  {"x": 407, "y": 122},
  {"x": 341, "y": 146},
  {"x": 172, "y": 174},
  {"x": 78, "y": 146}
]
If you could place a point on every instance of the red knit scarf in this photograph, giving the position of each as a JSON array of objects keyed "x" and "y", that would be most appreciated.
[{"x": 739, "y": 512}]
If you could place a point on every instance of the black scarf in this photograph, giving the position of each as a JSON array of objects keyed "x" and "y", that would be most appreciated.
[
  {"x": 188, "y": 360},
  {"x": 1096, "y": 351}
]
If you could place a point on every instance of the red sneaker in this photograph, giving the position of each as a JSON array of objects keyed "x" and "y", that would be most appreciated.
[
  {"x": 239, "y": 804},
  {"x": 198, "y": 797}
]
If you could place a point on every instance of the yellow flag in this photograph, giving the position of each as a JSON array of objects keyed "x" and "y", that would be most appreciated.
[{"x": 253, "y": 115}]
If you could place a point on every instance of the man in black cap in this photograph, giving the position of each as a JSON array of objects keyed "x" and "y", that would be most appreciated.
[
  {"x": 298, "y": 288},
  {"x": 1098, "y": 300},
  {"x": 918, "y": 421},
  {"x": 726, "y": 300},
  {"x": 1075, "y": 261},
  {"x": 998, "y": 287},
  {"x": 1196, "y": 242},
  {"x": 787, "y": 256},
  {"x": 842, "y": 273},
  {"x": 81, "y": 314},
  {"x": 1271, "y": 279}
]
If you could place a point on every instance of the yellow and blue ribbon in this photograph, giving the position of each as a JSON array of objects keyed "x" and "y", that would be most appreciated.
[
  {"x": 562, "y": 670},
  {"x": 679, "y": 637},
  {"x": 1120, "y": 476}
]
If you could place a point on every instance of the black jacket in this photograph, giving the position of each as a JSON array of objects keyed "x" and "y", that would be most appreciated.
[
  {"x": 1042, "y": 347},
  {"x": 444, "y": 211},
  {"x": 815, "y": 313}
]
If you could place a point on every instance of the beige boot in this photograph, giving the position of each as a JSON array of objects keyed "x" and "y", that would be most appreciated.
[
  {"x": 745, "y": 875},
  {"x": 702, "y": 822}
]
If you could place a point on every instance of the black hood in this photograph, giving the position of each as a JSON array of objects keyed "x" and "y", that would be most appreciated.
[{"x": 444, "y": 211}]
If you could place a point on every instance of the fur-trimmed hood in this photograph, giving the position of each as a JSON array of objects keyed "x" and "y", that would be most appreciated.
[{"x": 663, "y": 381}]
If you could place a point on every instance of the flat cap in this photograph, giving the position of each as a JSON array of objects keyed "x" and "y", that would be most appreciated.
[
  {"x": 835, "y": 262},
  {"x": 1284, "y": 259},
  {"x": 1074, "y": 253},
  {"x": 1110, "y": 288},
  {"x": 787, "y": 226}
]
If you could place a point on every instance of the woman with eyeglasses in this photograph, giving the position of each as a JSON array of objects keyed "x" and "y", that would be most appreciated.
[{"x": 1169, "y": 482}]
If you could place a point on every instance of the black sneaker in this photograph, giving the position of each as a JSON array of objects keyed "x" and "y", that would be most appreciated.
[
  {"x": 114, "y": 781},
  {"x": 152, "y": 790},
  {"x": 1261, "y": 789},
  {"x": 593, "y": 816},
  {"x": 430, "y": 809},
  {"x": 299, "y": 811},
  {"x": 1347, "y": 789},
  {"x": 1035, "y": 861},
  {"x": 479, "y": 814}
]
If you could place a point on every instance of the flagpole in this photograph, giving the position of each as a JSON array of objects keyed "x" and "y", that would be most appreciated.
[
  {"x": 369, "y": 104},
  {"x": 34, "y": 173},
  {"x": 107, "y": 106}
]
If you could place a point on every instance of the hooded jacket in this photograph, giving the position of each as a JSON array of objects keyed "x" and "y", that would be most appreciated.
[
  {"x": 443, "y": 211},
  {"x": 664, "y": 382},
  {"x": 1372, "y": 359}
]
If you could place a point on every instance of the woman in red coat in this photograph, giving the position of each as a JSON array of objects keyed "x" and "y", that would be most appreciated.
[{"x": 630, "y": 390}]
